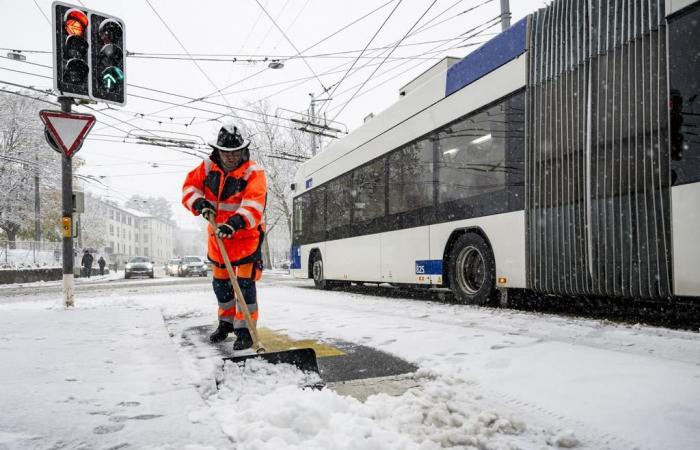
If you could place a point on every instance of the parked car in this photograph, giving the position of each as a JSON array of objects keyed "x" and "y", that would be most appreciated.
[
  {"x": 138, "y": 265},
  {"x": 172, "y": 266},
  {"x": 192, "y": 265},
  {"x": 207, "y": 263}
]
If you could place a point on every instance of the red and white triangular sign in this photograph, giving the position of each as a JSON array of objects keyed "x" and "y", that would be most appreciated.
[{"x": 67, "y": 129}]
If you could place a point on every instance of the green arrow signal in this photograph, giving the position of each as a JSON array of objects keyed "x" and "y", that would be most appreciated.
[{"x": 112, "y": 77}]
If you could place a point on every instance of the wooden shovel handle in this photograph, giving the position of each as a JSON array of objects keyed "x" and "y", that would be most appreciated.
[{"x": 240, "y": 301}]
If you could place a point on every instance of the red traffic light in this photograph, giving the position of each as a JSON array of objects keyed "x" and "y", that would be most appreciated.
[{"x": 75, "y": 22}]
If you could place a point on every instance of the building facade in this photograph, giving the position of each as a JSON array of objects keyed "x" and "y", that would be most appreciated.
[{"x": 134, "y": 233}]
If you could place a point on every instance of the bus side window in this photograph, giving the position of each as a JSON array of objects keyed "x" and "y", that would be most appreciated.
[{"x": 684, "y": 67}]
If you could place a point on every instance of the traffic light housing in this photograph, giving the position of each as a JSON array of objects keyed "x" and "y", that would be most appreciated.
[
  {"x": 107, "y": 59},
  {"x": 89, "y": 54},
  {"x": 71, "y": 50}
]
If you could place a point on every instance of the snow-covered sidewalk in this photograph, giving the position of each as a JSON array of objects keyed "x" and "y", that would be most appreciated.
[
  {"x": 100, "y": 377},
  {"x": 119, "y": 370}
]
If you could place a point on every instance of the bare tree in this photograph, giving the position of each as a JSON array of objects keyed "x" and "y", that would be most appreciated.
[{"x": 279, "y": 150}]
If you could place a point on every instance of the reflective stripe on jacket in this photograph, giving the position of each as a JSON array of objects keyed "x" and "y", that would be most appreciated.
[{"x": 242, "y": 191}]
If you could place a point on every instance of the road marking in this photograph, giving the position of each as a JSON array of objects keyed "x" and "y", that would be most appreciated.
[{"x": 275, "y": 341}]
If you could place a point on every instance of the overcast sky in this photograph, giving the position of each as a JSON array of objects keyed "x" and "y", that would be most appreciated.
[{"x": 243, "y": 28}]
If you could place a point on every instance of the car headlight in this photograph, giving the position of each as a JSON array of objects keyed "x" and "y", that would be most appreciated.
[
  {"x": 128, "y": 266},
  {"x": 149, "y": 266}
]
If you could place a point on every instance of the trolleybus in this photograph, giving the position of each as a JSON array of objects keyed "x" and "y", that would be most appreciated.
[{"x": 562, "y": 156}]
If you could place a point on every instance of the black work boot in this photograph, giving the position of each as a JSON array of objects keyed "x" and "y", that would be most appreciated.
[
  {"x": 221, "y": 332},
  {"x": 243, "y": 339}
]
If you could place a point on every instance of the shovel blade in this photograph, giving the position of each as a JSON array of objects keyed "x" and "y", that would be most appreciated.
[{"x": 303, "y": 358}]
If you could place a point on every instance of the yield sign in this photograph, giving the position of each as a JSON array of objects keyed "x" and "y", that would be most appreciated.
[{"x": 67, "y": 129}]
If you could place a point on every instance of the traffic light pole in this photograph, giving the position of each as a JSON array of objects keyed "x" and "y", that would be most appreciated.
[{"x": 67, "y": 213}]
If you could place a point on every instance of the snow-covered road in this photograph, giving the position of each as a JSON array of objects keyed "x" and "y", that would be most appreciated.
[{"x": 488, "y": 378}]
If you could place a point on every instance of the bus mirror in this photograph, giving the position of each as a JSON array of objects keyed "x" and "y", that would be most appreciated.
[{"x": 293, "y": 186}]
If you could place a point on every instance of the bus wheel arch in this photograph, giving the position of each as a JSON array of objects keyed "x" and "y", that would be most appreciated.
[
  {"x": 469, "y": 267},
  {"x": 316, "y": 270}
]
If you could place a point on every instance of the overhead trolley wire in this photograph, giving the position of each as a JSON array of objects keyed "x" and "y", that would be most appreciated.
[
  {"x": 184, "y": 105},
  {"x": 42, "y": 13},
  {"x": 335, "y": 88},
  {"x": 292, "y": 44},
  {"x": 269, "y": 29},
  {"x": 425, "y": 27},
  {"x": 414, "y": 66},
  {"x": 289, "y": 27},
  {"x": 263, "y": 70},
  {"x": 377, "y": 68},
  {"x": 188, "y": 54}
]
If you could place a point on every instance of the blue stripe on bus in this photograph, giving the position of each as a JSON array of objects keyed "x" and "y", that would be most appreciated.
[
  {"x": 295, "y": 253},
  {"x": 429, "y": 267},
  {"x": 506, "y": 46}
]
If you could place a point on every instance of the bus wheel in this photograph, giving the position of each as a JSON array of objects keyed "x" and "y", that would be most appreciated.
[
  {"x": 472, "y": 270},
  {"x": 317, "y": 271}
]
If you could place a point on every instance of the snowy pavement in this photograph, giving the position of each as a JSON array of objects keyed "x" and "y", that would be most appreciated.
[
  {"x": 96, "y": 378},
  {"x": 488, "y": 378}
]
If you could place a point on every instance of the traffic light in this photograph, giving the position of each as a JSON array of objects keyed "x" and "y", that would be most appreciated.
[
  {"x": 71, "y": 50},
  {"x": 107, "y": 59}
]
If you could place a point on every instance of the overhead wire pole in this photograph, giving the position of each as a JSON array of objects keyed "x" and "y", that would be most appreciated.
[
  {"x": 312, "y": 118},
  {"x": 505, "y": 15},
  {"x": 37, "y": 200}
]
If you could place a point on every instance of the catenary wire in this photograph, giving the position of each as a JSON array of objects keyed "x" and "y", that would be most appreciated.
[
  {"x": 377, "y": 68},
  {"x": 188, "y": 54},
  {"x": 335, "y": 87},
  {"x": 292, "y": 44}
]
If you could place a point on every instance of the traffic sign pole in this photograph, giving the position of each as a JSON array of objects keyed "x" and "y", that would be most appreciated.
[{"x": 67, "y": 213}]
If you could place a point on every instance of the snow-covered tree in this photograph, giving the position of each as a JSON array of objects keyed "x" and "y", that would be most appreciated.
[{"x": 24, "y": 154}]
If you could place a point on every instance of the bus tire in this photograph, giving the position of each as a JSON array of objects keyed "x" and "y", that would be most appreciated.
[
  {"x": 317, "y": 271},
  {"x": 472, "y": 270}
]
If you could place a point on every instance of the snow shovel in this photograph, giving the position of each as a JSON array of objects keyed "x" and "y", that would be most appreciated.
[{"x": 303, "y": 358}]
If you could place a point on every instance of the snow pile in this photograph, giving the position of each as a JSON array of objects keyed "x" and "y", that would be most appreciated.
[{"x": 262, "y": 406}]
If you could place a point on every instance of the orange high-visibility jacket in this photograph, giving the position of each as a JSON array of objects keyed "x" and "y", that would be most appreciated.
[{"x": 242, "y": 191}]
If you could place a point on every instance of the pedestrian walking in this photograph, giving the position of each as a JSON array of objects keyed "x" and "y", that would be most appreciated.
[
  {"x": 86, "y": 262},
  {"x": 101, "y": 262}
]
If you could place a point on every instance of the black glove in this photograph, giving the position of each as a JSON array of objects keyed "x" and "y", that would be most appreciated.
[
  {"x": 233, "y": 224},
  {"x": 204, "y": 207}
]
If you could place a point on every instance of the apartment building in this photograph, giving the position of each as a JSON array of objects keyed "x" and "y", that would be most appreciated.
[{"x": 130, "y": 233}]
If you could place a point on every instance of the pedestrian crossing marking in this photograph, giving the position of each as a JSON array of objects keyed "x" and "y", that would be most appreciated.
[{"x": 275, "y": 341}]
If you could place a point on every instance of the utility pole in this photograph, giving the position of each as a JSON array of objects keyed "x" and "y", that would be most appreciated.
[
  {"x": 312, "y": 118},
  {"x": 505, "y": 15},
  {"x": 37, "y": 204},
  {"x": 67, "y": 213}
]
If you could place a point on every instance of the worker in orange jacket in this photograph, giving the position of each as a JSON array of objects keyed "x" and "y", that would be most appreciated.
[{"x": 231, "y": 188}]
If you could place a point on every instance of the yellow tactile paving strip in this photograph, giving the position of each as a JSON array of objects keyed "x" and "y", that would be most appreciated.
[{"x": 274, "y": 341}]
